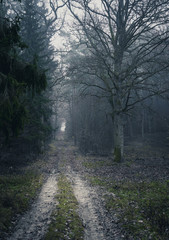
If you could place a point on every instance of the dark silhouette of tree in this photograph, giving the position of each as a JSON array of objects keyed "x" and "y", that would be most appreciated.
[
  {"x": 37, "y": 30},
  {"x": 16, "y": 77}
]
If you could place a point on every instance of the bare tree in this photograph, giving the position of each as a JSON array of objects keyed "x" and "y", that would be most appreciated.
[{"x": 127, "y": 40}]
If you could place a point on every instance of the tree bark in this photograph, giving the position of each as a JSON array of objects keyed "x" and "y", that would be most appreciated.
[
  {"x": 142, "y": 124},
  {"x": 118, "y": 137}
]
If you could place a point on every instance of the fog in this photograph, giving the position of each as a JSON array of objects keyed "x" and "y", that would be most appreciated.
[
  {"x": 63, "y": 127},
  {"x": 84, "y": 97},
  {"x": 107, "y": 78}
]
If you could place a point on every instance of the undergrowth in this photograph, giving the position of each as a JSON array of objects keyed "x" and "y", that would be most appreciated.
[
  {"x": 16, "y": 191},
  {"x": 142, "y": 208},
  {"x": 96, "y": 164},
  {"x": 66, "y": 223}
]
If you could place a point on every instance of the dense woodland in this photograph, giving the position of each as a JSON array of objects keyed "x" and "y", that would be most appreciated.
[
  {"x": 98, "y": 69},
  {"x": 120, "y": 70},
  {"x": 107, "y": 78},
  {"x": 27, "y": 71}
]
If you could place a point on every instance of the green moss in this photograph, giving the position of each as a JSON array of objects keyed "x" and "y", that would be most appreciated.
[
  {"x": 143, "y": 208},
  {"x": 97, "y": 181},
  {"x": 52, "y": 148},
  {"x": 97, "y": 164},
  {"x": 16, "y": 193},
  {"x": 117, "y": 155},
  {"x": 88, "y": 164},
  {"x": 129, "y": 163},
  {"x": 66, "y": 223}
]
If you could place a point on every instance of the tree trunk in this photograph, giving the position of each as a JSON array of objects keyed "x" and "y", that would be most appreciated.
[
  {"x": 118, "y": 137},
  {"x": 142, "y": 124},
  {"x": 130, "y": 128},
  {"x": 42, "y": 142}
]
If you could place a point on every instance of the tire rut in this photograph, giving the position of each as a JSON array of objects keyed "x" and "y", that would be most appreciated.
[
  {"x": 98, "y": 223},
  {"x": 98, "y": 226},
  {"x": 33, "y": 224}
]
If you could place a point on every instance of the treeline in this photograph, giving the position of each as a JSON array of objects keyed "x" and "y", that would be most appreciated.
[
  {"x": 90, "y": 124},
  {"x": 118, "y": 55},
  {"x": 27, "y": 68},
  {"x": 114, "y": 65}
]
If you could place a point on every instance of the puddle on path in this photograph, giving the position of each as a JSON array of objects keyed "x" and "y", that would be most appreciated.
[{"x": 33, "y": 224}]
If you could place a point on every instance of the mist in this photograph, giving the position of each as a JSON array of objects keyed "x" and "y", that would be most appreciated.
[{"x": 84, "y": 119}]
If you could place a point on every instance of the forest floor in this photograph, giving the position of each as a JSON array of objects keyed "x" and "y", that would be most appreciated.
[{"x": 127, "y": 200}]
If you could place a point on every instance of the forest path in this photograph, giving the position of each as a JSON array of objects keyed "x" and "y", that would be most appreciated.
[
  {"x": 89, "y": 207},
  {"x": 98, "y": 225},
  {"x": 33, "y": 224}
]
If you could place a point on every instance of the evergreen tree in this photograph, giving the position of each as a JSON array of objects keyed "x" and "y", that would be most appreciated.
[
  {"x": 16, "y": 77},
  {"x": 37, "y": 31}
]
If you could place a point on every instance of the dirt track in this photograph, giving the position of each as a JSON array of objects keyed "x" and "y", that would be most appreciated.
[
  {"x": 96, "y": 220},
  {"x": 99, "y": 223},
  {"x": 33, "y": 224}
]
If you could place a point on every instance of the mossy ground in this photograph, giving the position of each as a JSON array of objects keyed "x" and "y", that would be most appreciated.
[
  {"x": 66, "y": 223},
  {"x": 16, "y": 191},
  {"x": 96, "y": 164},
  {"x": 142, "y": 208}
]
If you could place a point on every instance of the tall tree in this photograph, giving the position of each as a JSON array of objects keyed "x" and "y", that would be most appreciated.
[
  {"x": 37, "y": 29},
  {"x": 127, "y": 40},
  {"x": 16, "y": 77}
]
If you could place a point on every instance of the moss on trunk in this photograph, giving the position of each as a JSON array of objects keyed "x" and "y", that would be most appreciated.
[{"x": 117, "y": 154}]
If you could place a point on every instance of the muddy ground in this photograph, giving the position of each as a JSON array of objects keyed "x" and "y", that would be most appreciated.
[{"x": 142, "y": 162}]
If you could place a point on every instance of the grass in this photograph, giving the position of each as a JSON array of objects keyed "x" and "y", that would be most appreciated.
[
  {"x": 97, "y": 181},
  {"x": 66, "y": 223},
  {"x": 16, "y": 191},
  {"x": 97, "y": 164},
  {"x": 52, "y": 148},
  {"x": 142, "y": 208}
]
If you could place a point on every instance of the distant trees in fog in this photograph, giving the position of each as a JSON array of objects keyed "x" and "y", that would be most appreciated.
[
  {"x": 126, "y": 48},
  {"x": 113, "y": 70}
]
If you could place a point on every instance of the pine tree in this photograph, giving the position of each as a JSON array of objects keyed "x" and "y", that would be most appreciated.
[
  {"x": 36, "y": 31},
  {"x": 16, "y": 77}
]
